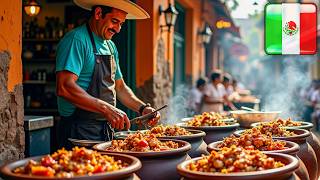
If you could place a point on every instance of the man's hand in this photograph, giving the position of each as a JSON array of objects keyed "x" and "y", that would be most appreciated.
[
  {"x": 116, "y": 117},
  {"x": 155, "y": 120}
]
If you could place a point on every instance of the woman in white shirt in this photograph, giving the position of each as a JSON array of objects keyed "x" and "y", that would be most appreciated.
[{"x": 213, "y": 94}]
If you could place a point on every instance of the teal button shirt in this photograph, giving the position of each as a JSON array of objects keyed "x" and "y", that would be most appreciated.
[{"x": 75, "y": 54}]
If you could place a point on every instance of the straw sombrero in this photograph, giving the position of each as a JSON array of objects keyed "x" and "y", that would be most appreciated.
[{"x": 134, "y": 11}]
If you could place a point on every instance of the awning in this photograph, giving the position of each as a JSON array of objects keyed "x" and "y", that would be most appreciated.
[{"x": 223, "y": 14}]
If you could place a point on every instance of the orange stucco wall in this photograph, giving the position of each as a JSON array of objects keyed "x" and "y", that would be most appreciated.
[
  {"x": 148, "y": 33},
  {"x": 10, "y": 38}
]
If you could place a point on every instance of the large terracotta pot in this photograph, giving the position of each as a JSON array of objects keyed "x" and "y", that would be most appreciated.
[
  {"x": 214, "y": 133},
  {"x": 198, "y": 146},
  {"x": 304, "y": 125},
  {"x": 313, "y": 140},
  {"x": 283, "y": 173},
  {"x": 125, "y": 173},
  {"x": 156, "y": 165},
  {"x": 291, "y": 149},
  {"x": 306, "y": 153}
]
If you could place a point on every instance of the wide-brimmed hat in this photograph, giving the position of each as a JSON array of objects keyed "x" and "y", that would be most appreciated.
[{"x": 134, "y": 11}]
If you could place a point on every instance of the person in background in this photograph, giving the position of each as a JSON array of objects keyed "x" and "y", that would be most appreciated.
[
  {"x": 196, "y": 95},
  {"x": 228, "y": 91},
  {"x": 307, "y": 94},
  {"x": 315, "y": 104},
  {"x": 227, "y": 83},
  {"x": 213, "y": 94}
]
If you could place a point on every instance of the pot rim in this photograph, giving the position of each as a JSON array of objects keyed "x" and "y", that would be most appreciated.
[
  {"x": 303, "y": 134},
  {"x": 195, "y": 134},
  {"x": 305, "y": 125},
  {"x": 240, "y": 112},
  {"x": 208, "y": 128},
  {"x": 185, "y": 147},
  {"x": 290, "y": 167},
  {"x": 292, "y": 149},
  {"x": 225, "y": 119},
  {"x": 6, "y": 169}
]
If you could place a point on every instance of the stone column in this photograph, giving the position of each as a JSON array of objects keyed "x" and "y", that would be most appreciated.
[{"x": 12, "y": 138}]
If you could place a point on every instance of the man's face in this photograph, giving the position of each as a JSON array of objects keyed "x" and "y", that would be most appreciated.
[
  {"x": 111, "y": 23},
  {"x": 217, "y": 80}
]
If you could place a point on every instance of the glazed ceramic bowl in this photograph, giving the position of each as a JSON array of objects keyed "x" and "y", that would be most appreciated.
[
  {"x": 134, "y": 165},
  {"x": 312, "y": 140},
  {"x": 214, "y": 133},
  {"x": 286, "y": 172},
  {"x": 224, "y": 120},
  {"x": 246, "y": 118},
  {"x": 156, "y": 165},
  {"x": 83, "y": 142},
  {"x": 306, "y": 153},
  {"x": 291, "y": 148},
  {"x": 304, "y": 125},
  {"x": 198, "y": 146}
]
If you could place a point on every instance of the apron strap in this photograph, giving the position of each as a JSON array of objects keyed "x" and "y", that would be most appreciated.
[
  {"x": 91, "y": 39},
  {"x": 94, "y": 44},
  {"x": 110, "y": 48}
]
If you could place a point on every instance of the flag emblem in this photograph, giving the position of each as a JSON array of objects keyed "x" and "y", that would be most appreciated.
[{"x": 290, "y": 28}]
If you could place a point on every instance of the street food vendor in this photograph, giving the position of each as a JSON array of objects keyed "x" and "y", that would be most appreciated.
[
  {"x": 89, "y": 78},
  {"x": 213, "y": 94}
]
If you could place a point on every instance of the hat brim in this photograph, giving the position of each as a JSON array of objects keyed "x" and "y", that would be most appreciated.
[{"x": 134, "y": 11}]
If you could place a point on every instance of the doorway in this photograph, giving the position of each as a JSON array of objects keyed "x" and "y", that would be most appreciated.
[{"x": 179, "y": 48}]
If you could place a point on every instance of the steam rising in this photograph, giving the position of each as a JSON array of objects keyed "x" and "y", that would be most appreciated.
[
  {"x": 283, "y": 93},
  {"x": 178, "y": 105}
]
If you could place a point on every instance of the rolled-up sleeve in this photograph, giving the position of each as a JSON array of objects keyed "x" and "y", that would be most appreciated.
[{"x": 70, "y": 55}]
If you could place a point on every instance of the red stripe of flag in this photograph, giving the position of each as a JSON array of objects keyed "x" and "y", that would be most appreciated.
[{"x": 308, "y": 31}]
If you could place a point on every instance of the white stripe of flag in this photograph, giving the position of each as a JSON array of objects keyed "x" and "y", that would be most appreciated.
[{"x": 291, "y": 44}]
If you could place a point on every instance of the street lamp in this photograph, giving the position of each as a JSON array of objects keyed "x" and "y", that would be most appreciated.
[
  {"x": 32, "y": 8},
  {"x": 205, "y": 34},
  {"x": 170, "y": 15}
]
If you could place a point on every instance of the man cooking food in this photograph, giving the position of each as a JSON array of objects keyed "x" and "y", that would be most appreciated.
[{"x": 89, "y": 78}]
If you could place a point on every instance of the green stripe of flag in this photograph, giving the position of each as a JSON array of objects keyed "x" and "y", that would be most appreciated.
[{"x": 273, "y": 29}]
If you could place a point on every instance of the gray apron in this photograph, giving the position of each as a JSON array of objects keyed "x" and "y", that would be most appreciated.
[{"x": 90, "y": 125}]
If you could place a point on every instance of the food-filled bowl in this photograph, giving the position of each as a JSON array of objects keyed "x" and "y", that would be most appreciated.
[
  {"x": 214, "y": 133},
  {"x": 156, "y": 164},
  {"x": 246, "y": 118},
  {"x": 290, "y": 148},
  {"x": 302, "y": 125},
  {"x": 195, "y": 138},
  {"x": 133, "y": 165},
  {"x": 285, "y": 172}
]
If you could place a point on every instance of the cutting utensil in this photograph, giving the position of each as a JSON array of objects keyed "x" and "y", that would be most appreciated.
[{"x": 145, "y": 118}]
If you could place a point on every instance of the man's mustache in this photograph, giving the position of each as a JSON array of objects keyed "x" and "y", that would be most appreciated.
[{"x": 112, "y": 30}]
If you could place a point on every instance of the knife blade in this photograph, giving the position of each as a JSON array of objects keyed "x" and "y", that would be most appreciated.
[{"x": 147, "y": 116}]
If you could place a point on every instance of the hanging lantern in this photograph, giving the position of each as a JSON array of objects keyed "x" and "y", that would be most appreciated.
[
  {"x": 170, "y": 15},
  {"x": 32, "y": 8},
  {"x": 206, "y": 34}
]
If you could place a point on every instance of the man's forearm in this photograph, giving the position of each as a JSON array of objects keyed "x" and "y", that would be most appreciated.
[{"x": 129, "y": 99}]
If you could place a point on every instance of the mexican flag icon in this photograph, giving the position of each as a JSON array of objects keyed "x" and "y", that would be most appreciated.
[{"x": 290, "y": 28}]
